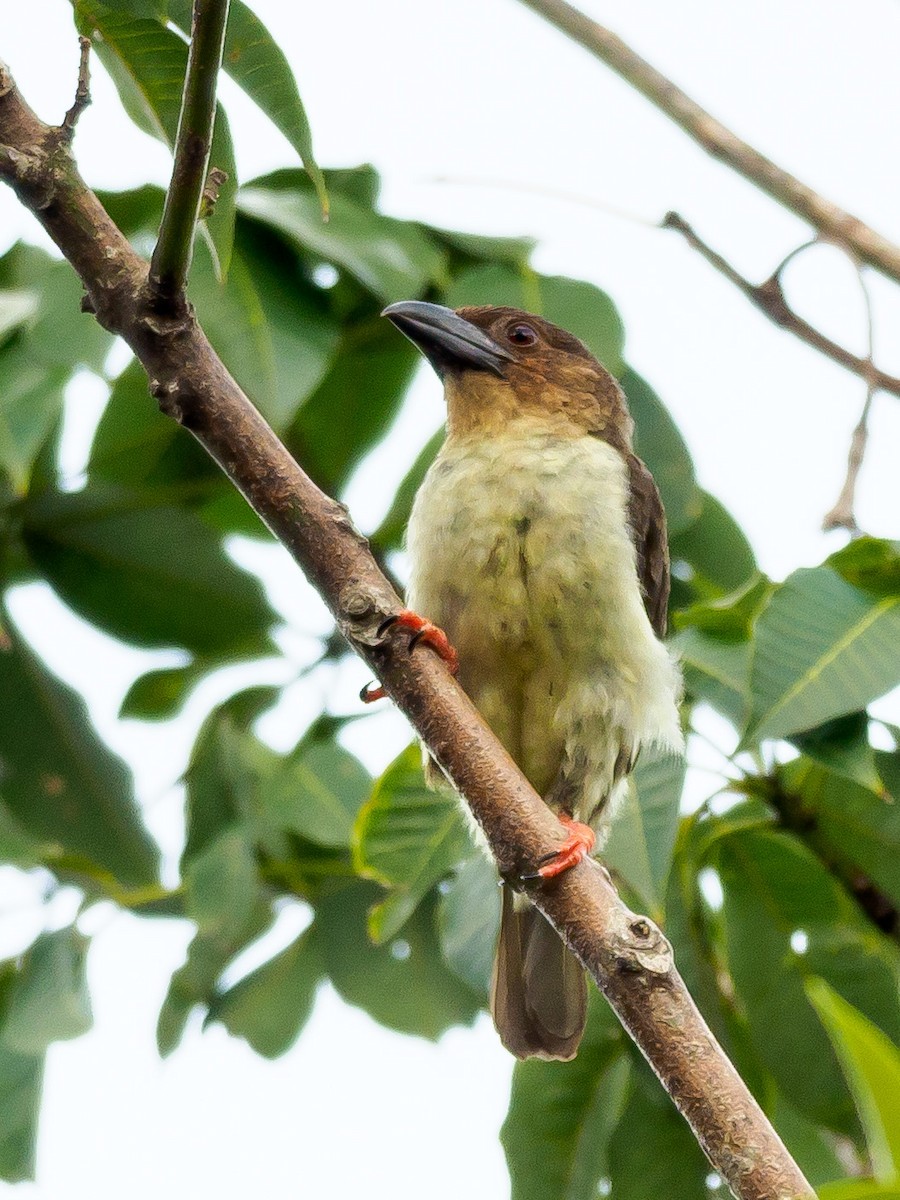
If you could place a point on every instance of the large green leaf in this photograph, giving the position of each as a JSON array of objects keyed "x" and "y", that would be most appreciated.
[
  {"x": 255, "y": 61},
  {"x": 389, "y": 534},
  {"x": 270, "y": 1006},
  {"x": 579, "y": 307},
  {"x": 145, "y": 570},
  {"x": 316, "y": 793},
  {"x": 407, "y": 838},
  {"x": 355, "y": 402},
  {"x": 59, "y": 780},
  {"x": 861, "y": 827},
  {"x": 643, "y": 833},
  {"x": 49, "y": 999},
  {"x": 469, "y": 921},
  {"x": 774, "y": 888},
  {"x": 871, "y": 1063},
  {"x": 147, "y": 63},
  {"x": 17, "y": 307},
  {"x": 393, "y": 259},
  {"x": 404, "y": 985},
  {"x": 870, "y": 563},
  {"x": 712, "y": 556},
  {"x": 716, "y": 670},
  {"x": 842, "y": 746},
  {"x": 31, "y": 399},
  {"x": 859, "y": 1189},
  {"x": 823, "y": 648},
  {"x": 21, "y": 1076},
  {"x": 658, "y": 441},
  {"x": 561, "y": 1114}
]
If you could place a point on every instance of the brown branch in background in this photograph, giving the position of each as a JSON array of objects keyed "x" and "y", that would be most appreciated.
[
  {"x": 770, "y": 299},
  {"x": 626, "y": 954},
  {"x": 832, "y": 223},
  {"x": 843, "y": 514}
]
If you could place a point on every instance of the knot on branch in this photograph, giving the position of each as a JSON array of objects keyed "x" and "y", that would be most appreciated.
[
  {"x": 363, "y": 611},
  {"x": 169, "y": 396},
  {"x": 640, "y": 946}
]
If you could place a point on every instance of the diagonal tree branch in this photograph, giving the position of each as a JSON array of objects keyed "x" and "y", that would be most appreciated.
[
  {"x": 172, "y": 255},
  {"x": 832, "y": 223},
  {"x": 626, "y": 954},
  {"x": 770, "y": 299}
]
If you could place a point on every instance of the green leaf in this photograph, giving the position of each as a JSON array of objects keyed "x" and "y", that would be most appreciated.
[
  {"x": 579, "y": 307},
  {"x": 871, "y": 1063},
  {"x": 147, "y": 63},
  {"x": 712, "y": 554},
  {"x": 158, "y": 695},
  {"x": 643, "y": 833},
  {"x": 858, "y": 1189},
  {"x": 270, "y": 1006},
  {"x": 359, "y": 396},
  {"x": 31, "y": 400},
  {"x": 717, "y": 671},
  {"x": 773, "y": 886},
  {"x": 49, "y": 999},
  {"x": 561, "y": 1114},
  {"x": 652, "y": 1151},
  {"x": 257, "y": 64},
  {"x": 404, "y": 985},
  {"x": 658, "y": 441},
  {"x": 17, "y": 846},
  {"x": 16, "y": 308},
  {"x": 21, "y": 1077},
  {"x": 842, "y": 745},
  {"x": 407, "y": 837},
  {"x": 823, "y": 648},
  {"x": 393, "y": 259},
  {"x": 389, "y": 534},
  {"x": 870, "y": 563},
  {"x": 60, "y": 335},
  {"x": 730, "y": 617},
  {"x": 808, "y": 1144},
  {"x": 146, "y": 571},
  {"x": 469, "y": 921},
  {"x": 61, "y": 783},
  {"x": 512, "y": 250},
  {"x": 317, "y": 793}
]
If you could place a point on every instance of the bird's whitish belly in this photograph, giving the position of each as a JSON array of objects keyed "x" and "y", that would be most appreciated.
[{"x": 520, "y": 550}]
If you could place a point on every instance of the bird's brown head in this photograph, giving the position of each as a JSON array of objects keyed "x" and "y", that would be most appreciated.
[{"x": 502, "y": 364}]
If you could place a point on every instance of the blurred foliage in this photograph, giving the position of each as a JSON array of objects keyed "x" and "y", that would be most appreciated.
[{"x": 780, "y": 892}]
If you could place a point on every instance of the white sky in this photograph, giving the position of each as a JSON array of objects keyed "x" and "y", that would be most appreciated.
[{"x": 471, "y": 89}]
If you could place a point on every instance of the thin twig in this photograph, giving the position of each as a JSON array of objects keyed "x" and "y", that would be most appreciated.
[
  {"x": 770, "y": 299},
  {"x": 626, "y": 955},
  {"x": 831, "y": 222},
  {"x": 172, "y": 256},
  {"x": 82, "y": 91},
  {"x": 843, "y": 514}
]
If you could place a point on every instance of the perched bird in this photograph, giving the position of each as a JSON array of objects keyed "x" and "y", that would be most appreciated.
[{"x": 538, "y": 547}]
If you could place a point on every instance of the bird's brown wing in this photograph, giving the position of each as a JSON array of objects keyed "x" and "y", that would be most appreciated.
[{"x": 647, "y": 519}]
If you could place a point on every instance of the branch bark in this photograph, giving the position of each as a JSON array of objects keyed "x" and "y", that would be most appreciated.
[
  {"x": 626, "y": 954},
  {"x": 770, "y": 299},
  {"x": 832, "y": 222},
  {"x": 172, "y": 255}
]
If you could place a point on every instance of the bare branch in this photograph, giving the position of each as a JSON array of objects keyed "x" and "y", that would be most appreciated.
[
  {"x": 172, "y": 256},
  {"x": 82, "y": 91},
  {"x": 626, "y": 954},
  {"x": 831, "y": 222},
  {"x": 770, "y": 299}
]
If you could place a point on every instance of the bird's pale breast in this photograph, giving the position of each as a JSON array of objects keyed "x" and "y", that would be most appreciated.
[{"x": 521, "y": 551}]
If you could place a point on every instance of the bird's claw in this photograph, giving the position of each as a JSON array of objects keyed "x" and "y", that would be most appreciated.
[
  {"x": 577, "y": 846},
  {"x": 423, "y": 631}
]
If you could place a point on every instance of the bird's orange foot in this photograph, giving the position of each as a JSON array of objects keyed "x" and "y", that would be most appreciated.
[
  {"x": 577, "y": 846},
  {"x": 422, "y": 631}
]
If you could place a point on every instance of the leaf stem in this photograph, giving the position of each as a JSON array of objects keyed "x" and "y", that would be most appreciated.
[{"x": 172, "y": 255}]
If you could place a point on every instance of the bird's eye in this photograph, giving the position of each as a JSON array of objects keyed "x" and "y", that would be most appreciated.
[{"x": 522, "y": 335}]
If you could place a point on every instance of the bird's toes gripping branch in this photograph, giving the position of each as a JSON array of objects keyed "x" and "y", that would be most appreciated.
[
  {"x": 577, "y": 846},
  {"x": 422, "y": 631}
]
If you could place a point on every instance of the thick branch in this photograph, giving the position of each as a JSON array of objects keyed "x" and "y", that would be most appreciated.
[
  {"x": 770, "y": 299},
  {"x": 626, "y": 955},
  {"x": 172, "y": 256},
  {"x": 831, "y": 222}
]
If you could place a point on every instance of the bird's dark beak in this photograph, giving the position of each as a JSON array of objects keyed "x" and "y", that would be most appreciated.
[{"x": 448, "y": 341}]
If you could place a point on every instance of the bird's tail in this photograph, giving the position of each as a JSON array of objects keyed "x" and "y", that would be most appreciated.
[{"x": 538, "y": 990}]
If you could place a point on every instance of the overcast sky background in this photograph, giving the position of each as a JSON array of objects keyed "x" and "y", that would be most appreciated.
[{"x": 467, "y": 90}]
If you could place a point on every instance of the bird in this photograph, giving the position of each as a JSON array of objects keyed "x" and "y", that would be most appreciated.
[{"x": 539, "y": 570}]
